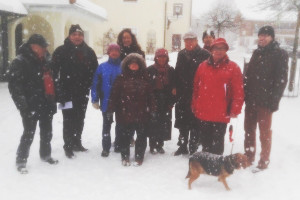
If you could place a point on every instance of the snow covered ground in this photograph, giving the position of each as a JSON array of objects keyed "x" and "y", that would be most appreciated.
[{"x": 91, "y": 177}]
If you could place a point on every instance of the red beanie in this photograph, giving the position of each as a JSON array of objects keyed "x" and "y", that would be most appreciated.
[
  {"x": 220, "y": 41},
  {"x": 161, "y": 52}
]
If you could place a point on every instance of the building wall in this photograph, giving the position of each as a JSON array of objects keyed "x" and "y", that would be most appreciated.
[
  {"x": 54, "y": 26},
  {"x": 146, "y": 17}
]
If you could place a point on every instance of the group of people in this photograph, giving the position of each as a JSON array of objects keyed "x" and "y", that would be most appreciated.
[{"x": 206, "y": 87}]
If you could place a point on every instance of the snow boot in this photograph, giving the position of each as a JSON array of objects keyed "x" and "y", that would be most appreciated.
[
  {"x": 161, "y": 150},
  {"x": 50, "y": 160},
  {"x": 153, "y": 151},
  {"x": 105, "y": 153},
  {"x": 138, "y": 163},
  {"x": 125, "y": 163},
  {"x": 21, "y": 167},
  {"x": 182, "y": 150},
  {"x": 80, "y": 148},
  {"x": 69, "y": 153}
]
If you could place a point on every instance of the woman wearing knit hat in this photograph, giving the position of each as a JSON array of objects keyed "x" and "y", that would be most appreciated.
[
  {"x": 162, "y": 77},
  {"x": 218, "y": 95},
  {"x": 104, "y": 78}
]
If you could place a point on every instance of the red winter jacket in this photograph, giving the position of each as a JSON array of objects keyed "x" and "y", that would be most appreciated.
[{"x": 218, "y": 91}]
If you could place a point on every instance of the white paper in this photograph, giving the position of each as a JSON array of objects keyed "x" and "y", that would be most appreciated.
[{"x": 67, "y": 105}]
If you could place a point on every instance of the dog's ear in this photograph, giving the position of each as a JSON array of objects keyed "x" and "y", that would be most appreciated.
[{"x": 241, "y": 160}]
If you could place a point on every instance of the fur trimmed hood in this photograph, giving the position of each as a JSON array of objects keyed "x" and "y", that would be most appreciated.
[{"x": 133, "y": 57}]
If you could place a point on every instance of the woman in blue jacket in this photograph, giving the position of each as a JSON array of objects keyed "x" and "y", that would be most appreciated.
[{"x": 104, "y": 78}]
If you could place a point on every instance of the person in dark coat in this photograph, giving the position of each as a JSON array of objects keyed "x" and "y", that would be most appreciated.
[
  {"x": 264, "y": 83},
  {"x": 132, "y": 100},
  {"x": 32, "y": 89},
  {"x": 128, "y": 43},
  {"x": 104, "y": 78},
  {"x": 162, "y": 77},
  {"x": 188, "y": 61},
  {"x": 207, "y": 38},
  {"x": 218, "y": 96},
  {"x": 74, "y": 64}
]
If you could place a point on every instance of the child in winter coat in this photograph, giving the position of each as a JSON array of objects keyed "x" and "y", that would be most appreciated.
[
  {"x": 104, "y": 78},
  {"x": 162, "y": 77},
  {"x": 133, "y": 102}
]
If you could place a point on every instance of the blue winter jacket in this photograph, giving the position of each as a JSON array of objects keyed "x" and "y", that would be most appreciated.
[{"x": 104, "y": 78}]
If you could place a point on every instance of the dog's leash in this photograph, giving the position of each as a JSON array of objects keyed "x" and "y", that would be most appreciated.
[{"x": 230, "y": 137}]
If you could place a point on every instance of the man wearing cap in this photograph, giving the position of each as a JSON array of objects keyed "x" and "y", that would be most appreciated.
[
  {"x": 104, "y": 78},
  {"x": 265, "y": 80},
  {"x": 32, "y": 90},
  {"x": 218, "y": 96},
  {"x": 74, "y": 64},
  {"x": 188, "y": 61}
]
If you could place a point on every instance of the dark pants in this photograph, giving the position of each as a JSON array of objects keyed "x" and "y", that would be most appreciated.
[
  {"x": 106, "y": 136},
  {"x": 262, "y": 117},
  {"x": 29, "y": 124},
  {"x": 73, "y": 122},
  {"x": 126, "y": 131},
  {"x": 184, "y": 137},
  {"x": 160, "y": 130},
  {"x": 212, "y": 136}
]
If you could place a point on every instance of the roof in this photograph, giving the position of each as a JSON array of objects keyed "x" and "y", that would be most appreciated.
[
  {"x": 13, "y": 6},
  {"x": 81, "y": 5}
]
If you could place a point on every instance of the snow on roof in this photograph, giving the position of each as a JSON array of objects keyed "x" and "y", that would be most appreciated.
[
  {"x": 13, "y": 6},
  {"x": 84, "y": 5}
]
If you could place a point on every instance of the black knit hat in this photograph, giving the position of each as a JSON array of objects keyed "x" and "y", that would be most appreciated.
[
  {"x": 38, "y": 39},
  {"x": 268, "y": 30},
  {"x": 75, "y": 28}
]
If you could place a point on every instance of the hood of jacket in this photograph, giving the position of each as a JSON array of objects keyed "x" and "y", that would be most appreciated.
[{"x": 133, "y": 57}]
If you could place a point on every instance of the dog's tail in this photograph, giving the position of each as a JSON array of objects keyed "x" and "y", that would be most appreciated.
[{"x": 189, "y": 172}]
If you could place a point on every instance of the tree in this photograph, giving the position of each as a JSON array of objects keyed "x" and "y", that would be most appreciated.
[
  {"x": 282, "y": 6},
  {"x": 223, "y": 17}
]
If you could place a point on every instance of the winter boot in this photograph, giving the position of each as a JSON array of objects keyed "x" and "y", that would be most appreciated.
[
  {"x": 105, "y": 153},
  {"x": 125, "y": 163},
  {"x": 138, "y": 163},
  {"x": 69, "y": 153},
  {"x": 80, "y": 148},
  {"x": 50, "y": 160},
  {"x": 161, "y": 150},
  {"x": 21, "y": 167},
  {"x": 182, "y": 150},
  {"x": 152, "y": 151}
]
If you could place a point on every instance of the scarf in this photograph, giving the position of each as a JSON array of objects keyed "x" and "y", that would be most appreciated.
[{"x": 162, "y": 76}]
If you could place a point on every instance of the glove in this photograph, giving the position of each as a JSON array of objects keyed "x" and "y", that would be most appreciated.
[
  {"x": 109, "y": 117},
  {"x": 96, "y": 106}
]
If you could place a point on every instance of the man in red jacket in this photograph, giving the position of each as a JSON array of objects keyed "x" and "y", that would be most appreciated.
[{"x": 218, "y": 95}]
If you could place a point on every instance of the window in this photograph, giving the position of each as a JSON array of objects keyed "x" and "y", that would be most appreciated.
[
  {"x": 177, "y": 9},
  {"x": 176, "y": 42}
]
